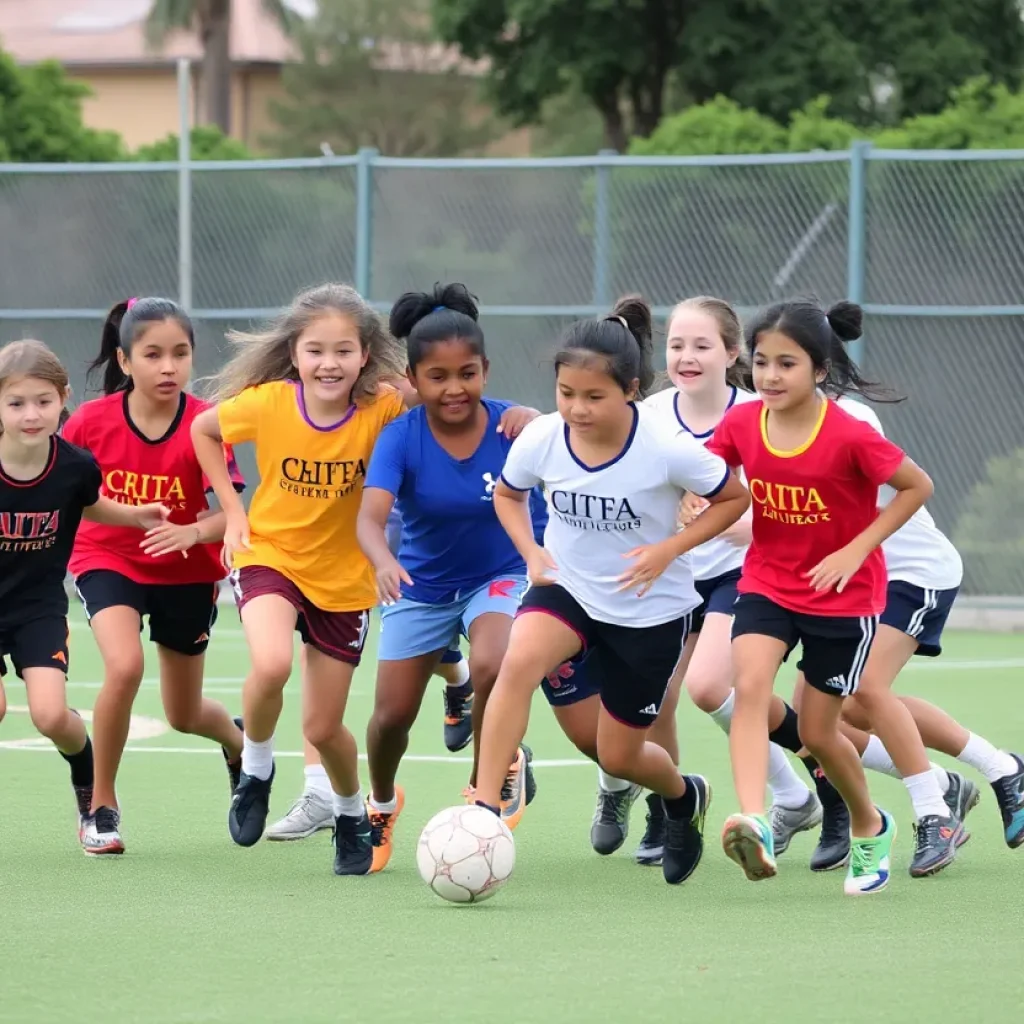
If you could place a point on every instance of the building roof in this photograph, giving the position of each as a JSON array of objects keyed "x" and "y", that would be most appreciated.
[{"x": 110, "y": 33}]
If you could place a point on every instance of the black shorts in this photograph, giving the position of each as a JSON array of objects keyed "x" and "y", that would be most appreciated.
[
  {"x": 38, "y": 643},
  {"x": 630, "y": 667},
  {"x": 835, "y": 650},
  {"x": 181, "y": 615},
  {"x": 717, "y": 594},
  {"x": 919, "y": 613}
]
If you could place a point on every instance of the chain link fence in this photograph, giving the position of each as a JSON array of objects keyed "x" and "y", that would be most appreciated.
[{"x": 928, "y": 242}]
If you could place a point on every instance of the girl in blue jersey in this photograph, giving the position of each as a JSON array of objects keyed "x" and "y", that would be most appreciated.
[{"x": 456, "y": 570}]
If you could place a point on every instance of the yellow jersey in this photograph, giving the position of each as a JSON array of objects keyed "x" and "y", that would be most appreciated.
[{"x": 302, "y": 520}]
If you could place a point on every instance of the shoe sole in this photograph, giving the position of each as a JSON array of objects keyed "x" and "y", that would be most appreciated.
[
  {"x": 290, "y": 837},
  {"x": 822, "y": 868},
  {"x": 113, "y": 850},
  {"x": 742, "y": 845}
]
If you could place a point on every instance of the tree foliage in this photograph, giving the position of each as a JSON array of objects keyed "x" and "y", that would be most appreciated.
[{"x": 207, "y": 142}]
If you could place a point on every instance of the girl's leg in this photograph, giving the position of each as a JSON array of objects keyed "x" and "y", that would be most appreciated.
[{"x": 3, "y": 707}]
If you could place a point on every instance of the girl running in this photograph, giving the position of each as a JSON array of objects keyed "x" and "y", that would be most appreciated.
[
  {"x": 310, "y": 393},
  {"x": 139, "y": 435},
  {"x": 47, "y": 486},
  {"x": 814, "y": 573},
  {"x": 609, "y": 578},
  {"x": 456, "y": 571}
]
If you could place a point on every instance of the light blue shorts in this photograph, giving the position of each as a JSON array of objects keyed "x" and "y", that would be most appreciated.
[{"x": 411, "y": 628}]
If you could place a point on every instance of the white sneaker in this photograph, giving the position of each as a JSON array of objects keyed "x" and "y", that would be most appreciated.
[
  {"x": 307, "y": 816},
  {"x": 100, "y": 833}
]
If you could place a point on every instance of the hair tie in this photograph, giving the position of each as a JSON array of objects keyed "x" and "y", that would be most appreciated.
[
  {"x": 437, "y": 309},
  {"x": 131, "y": 302},
  {"x": 621, "y": 319}
]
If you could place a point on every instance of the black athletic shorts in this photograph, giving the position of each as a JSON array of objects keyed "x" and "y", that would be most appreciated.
[
  {"x": 181, "y": 615},
  {"x": 717, "y": 594},
  {"x": 38, "y": 643},
  {"x": 835, "y": 649},
  {"x": 630, "y": 667}
]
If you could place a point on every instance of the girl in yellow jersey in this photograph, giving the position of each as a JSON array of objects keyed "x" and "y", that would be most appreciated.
[{"x": 310, "y": 393}]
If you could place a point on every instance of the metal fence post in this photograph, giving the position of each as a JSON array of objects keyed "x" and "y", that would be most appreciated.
[
  {"x": 856, "y": 253},
  {"x": 184, "y": 185},
  {"x": 602, "y": 229},
  {"x": 364, "y": 221}
]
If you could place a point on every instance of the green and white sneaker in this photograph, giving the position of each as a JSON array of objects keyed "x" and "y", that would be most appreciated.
[
  {"x": 869, "y": 860},
  {"x": 747, "y": 839}
]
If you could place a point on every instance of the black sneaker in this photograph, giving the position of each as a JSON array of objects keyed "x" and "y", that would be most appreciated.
[
  {"x": 353, "y": 845},
  {"x": 611, "y": 818},
  {"x": 652, "y": 844},
  {"x": 250, "y": 805},
  {"x": 935, "y": 843},
  {"x": 1009, "y": 791},
  {"x": 961, "y": 798},
  {"x": 234, "y": 767},
  {"x": 684, "y": 837},
  {"x": 833, "y": 849},
  {"x": 458, "y": 716}
]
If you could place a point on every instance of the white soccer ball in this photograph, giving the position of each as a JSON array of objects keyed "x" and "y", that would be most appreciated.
[{"x": 465, "y": 854}]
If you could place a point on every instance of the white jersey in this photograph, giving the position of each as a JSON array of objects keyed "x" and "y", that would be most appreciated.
[
  {"x": 717, "y": 556},
  {"x": 598, "y": 514},
  {"x": 919, "y": 552}
]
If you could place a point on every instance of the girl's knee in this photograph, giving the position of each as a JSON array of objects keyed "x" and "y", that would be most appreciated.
[
  {"x": 185, "y": 720},
  {"x": 123, "y": 673},
  {"x": 270, "y": 671},
  {"x": 394, "y": 717},
  {"x": 707, "y": 691},
  {"x": 50, "y": 720}
]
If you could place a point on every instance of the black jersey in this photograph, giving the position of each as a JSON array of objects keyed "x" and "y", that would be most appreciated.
[{"x": 38, "y": 522}]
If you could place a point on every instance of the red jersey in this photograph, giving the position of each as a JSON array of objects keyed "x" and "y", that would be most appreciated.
[
  {"x": 809, "y": 503},
  {"x": 137, "y": 471}
]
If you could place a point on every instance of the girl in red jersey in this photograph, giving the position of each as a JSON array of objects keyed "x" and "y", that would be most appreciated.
[
  {"x": 139, "y": 435},
  {"x": 47, "y": 487},
  {"x": 814, "y": 573}
]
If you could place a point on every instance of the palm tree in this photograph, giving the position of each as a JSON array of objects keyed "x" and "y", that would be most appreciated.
[{"x": 211, "y": 21}]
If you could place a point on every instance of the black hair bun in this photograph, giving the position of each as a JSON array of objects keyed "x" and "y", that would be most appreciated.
[
  {"x": 412, "y": 307},
  {"x": 847, "y": 320}
]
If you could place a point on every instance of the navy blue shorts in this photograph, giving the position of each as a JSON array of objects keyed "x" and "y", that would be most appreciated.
[
  {"x": 919, "y": 613},
  {"x": 717, "y": 594},
  {"x": 570, "y": 683}
]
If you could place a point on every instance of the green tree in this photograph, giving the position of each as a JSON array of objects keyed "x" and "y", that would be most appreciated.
[
  {"x": 207, "y": 142},
  {"x": 211, "y": 22},
  {"x": 368, "y": 76},
  {"x": 878, "y": 61},
  {"x": 41, "y": 118}
]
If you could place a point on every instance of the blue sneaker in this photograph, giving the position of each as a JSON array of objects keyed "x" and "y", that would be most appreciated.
[
  {"x": 1009, "y": 792},
  {"x": 747, "y": 839},
  {"x": 870, "y": 860}
]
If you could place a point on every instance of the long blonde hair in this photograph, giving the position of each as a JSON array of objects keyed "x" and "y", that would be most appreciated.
[
  {"x": 730, "y": 328},
  {"x": 265, "y": 356},
  {"x": 31, "y": 358}
]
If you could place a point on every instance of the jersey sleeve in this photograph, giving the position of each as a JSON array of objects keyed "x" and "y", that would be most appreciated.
[
  {"x": 387, "y": 462},
  {"x": 723, "y": 442},
  {"x": 73, "y": 430},
  {"x": 522, "y": 470},
  {"x": 92, "y": 479},
  {"x": 239, "y": 417},
  {"x": 694, "y": 468},
  {"x": 390, "y": 404},
  {"x": 873, "y": 455}
]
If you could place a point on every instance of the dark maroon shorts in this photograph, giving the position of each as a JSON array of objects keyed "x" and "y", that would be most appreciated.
[{"x": 339, "y": 635}]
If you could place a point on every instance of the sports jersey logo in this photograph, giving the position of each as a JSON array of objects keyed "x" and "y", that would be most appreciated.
[
  {"x": 489, "y": 484},
  {"x": 594, "y": 512},
  {"x": 142, "y": 488},
  {"x": 313, "y": 478},
  {"x": 796, "y": 506},
  {"x": 563, "y": 672},
  {"x": 28, "y": 531},
  {"x": 501, "y": 588}
]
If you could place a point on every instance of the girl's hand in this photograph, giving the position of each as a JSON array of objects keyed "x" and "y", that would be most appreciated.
[
  {"x": 651, "y": 561},
  {"x": 170, "y": 537},
  {"x": 149, "y": 517},
  {"x": 236, "y": 538},
  {"x": 836, "y": 569},
  {"x": 539, "y": 565},
  {"x": 390, "y": 578},
  {"x": 513, "y": 420},
  {"x": 690, "y": 507}
]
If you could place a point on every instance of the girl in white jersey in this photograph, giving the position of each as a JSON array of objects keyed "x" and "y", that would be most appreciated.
[{"x": 610, "y": 578}]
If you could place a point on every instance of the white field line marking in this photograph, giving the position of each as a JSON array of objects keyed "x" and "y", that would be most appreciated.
[{"x": 140, "y": 727}]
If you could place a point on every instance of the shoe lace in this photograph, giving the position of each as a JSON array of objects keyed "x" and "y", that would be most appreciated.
[
  {"x": 611, "y": 807},
  {"x": 106, "y": 819},
  {"x": 861, "y": 857},
  {"x": 508, "y": 786},
  {"x": 926, "y": 832},
  {"x": 378, "y": 827},
  {"x": 1009, "y": 795},
  {"x": 454, "y": 705},
  {"x": 655, "y": 828}
]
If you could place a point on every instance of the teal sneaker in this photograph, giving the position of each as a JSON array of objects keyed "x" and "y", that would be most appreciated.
[
  {"x": 1009, "y": 792},
  {"x": 747, "y": 839},
  {"x": 869, "y": 860}
]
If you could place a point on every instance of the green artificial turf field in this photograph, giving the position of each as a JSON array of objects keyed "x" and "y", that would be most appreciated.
[{"x": 186, "y": 927}]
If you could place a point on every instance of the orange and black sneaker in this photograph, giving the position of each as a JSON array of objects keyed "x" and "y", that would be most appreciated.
[
  {"x": 382, "y": 826},
  {"x": 519, "y": 788}
]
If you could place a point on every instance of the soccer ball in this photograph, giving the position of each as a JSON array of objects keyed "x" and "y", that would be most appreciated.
[{"x": 465, "y": 854}]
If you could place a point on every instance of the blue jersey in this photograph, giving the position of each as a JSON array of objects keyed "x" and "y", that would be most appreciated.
[{"x": 452, "y": 542}]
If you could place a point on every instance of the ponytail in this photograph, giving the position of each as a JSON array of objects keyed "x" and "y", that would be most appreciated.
[{"x": 114, "y": 378}]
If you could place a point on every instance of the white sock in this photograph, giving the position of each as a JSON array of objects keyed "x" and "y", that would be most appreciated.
[
  {"x": 461, "y": 673},
  {"x": 258, "y": 758},
  {"x": 877, "y": 758},
  {"x": 348, "y": 806},
  {"x": 317, "y": 781},
  {"x": 384, "y": 806},
  {"x": 990, "y": 761},
  {"x": 788, "y": 789},
  {"x": 941, "y": 776},
  {"x": 723, "y": 715},
  {"x": 610, "y": 784},
  {"x": 925, "y": 795}
]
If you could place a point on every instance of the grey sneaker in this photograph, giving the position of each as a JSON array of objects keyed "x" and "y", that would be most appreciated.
[
  {"x": 787, "y": 821},
  {"x": 308, "y": 815},
  {"x": 961, "y": 798},
  {"x": 611, "y": 818}
]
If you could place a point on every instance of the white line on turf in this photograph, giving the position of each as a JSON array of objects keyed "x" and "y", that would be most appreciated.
[{"x": 140, "y": 727}]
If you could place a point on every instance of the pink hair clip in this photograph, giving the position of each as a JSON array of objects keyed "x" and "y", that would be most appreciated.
[{"x": 131, "y": 302}]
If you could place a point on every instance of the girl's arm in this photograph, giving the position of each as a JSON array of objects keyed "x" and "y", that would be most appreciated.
[
  {"x": 913, "y": 488},
  {"x": 512, "y": 508},
  {"x": 113, "y": 513},
  {"x": 169, "y": 537},
  {"x": 209, "y": 446},
  {"x": 371, "y": 532}
]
